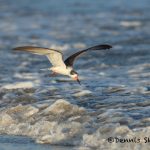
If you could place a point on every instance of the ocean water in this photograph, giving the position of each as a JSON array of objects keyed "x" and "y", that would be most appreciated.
[{"x": 113, "y": 99}]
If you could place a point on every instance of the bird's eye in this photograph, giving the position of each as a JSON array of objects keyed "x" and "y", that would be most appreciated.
[{"x": 72, "y": 72}]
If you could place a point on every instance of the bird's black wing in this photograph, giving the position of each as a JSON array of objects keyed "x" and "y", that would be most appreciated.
[{"x": 70, "y": 60}]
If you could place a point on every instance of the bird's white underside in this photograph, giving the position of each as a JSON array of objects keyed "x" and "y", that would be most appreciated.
[
  {"x": 58, "y": 64},
  {"x": 61, "y": 70}
]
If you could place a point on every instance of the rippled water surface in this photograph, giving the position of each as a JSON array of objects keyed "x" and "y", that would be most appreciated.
[{"x": 115, "y": 84}]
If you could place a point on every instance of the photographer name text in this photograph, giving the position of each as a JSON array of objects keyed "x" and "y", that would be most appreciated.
[{"x": 128, "y": 140}]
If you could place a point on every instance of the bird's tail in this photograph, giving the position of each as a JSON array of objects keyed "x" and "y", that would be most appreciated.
[{"x": 45, "y": 69}]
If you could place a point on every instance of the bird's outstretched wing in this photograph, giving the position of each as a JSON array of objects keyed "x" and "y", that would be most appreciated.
[
  {"x": 70, "y": 60},
  {"x": 54, "y": 56}
]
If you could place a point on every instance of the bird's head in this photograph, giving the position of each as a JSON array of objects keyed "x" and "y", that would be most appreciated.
[{"x": 74, "y": 76}]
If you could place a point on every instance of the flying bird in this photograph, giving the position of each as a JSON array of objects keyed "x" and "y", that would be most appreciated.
[{"x": 59, "y": 66}]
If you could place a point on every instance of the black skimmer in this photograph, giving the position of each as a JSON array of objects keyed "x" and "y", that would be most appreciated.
[{"x": 56, "y": 58}]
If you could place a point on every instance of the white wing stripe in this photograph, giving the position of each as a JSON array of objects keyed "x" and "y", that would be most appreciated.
[{"x": 54, "y": 56}]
